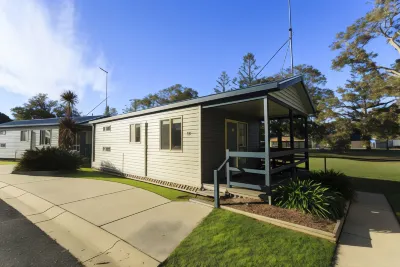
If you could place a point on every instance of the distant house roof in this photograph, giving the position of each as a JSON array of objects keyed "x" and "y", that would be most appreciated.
[
  {"x": 46, "y": 122},
  {"x": 285, "y": 139},
  {"x": 215, "y": 98}
]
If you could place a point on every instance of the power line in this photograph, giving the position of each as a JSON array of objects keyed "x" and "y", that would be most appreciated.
[{"x": 272, "y": 58}]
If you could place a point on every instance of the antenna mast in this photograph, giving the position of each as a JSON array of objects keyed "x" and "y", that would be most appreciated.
[{"x": 291, "y": 37}]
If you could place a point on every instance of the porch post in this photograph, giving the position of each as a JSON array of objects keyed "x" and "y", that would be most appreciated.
[
  {"x": 292, "y": 142},
  {"x": 306, "y": 142},
  {"x": 266, "y": 159}
]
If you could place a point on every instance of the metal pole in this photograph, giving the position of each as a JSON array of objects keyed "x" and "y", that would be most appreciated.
[
  {"x": 266, "y": 157},
  {"x": 106, "y": 86},
  {"x": 325, "y": 163},
  {"x": 291, "y": 38},
  {"x": 216, "y": 189}
]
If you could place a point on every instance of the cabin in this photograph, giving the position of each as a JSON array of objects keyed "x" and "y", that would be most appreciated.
[
  {"x": 184, "y": 144},
  {"x": 18, "y": 136}
]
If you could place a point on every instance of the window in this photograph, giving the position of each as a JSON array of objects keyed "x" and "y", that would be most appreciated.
[
  {"x": 171, "y": 134},
  {"x": 107, "y": 148},
  {"x": 45, "y": 137},
  {"x": 24, "y": 136},
  {"x": 106, "y": 128},
  {"x": 134, "y": 133},
  {"x": 3, "y": 132},
  {"x": 3, "y": 145}
]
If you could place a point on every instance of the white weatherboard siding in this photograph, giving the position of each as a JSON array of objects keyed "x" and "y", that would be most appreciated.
[
  {"x": 16, "y": 148},
  {"x": 181, "y": 167}
]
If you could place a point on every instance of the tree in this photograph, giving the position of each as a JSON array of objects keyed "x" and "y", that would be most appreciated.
[
  {"x": 41, "y": 107},
  {"x": 387, "y": 124},
  {"x": 247, "y": 71},
  {"x": 361, "y": 101},
  {"x": 383, "y": 21},
  {"x": 165, "y": 96},
  {"x": 4, "y": 118},
  {"x": 67, "y": 132},
  {"x": 224, "y": 83},
  {"x": 37, "y": 107},
  {"x": 110, "y": 111}
]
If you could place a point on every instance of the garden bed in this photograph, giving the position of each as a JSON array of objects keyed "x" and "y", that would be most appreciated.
[{"x": 293, "y": 216}]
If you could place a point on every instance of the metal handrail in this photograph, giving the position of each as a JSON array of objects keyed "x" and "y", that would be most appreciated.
[{"x": 216, "y": 183}]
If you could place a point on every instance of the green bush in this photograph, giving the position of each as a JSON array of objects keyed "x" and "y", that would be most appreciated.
[
  {"x": 311, "y": 197},
  {"x": 336, "y": 181},
  {"x": 49, "y": 159}
]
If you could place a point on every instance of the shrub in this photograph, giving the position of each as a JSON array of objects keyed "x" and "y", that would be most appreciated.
[
  {"x": 309, "y": 196},
  {"x": 49, "y": 159},
  {"x": 336, "y": 181}
]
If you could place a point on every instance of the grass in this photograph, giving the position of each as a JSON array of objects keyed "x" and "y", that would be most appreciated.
[
  {"x": 228, "y": 239},
  {"x": 385, "y": 170},
  {"x": 359, "y": 153},
  {"x": 368, "y": 176},
  {"x": 7, "y": 162},
  {"x": 168, "y": 193}
]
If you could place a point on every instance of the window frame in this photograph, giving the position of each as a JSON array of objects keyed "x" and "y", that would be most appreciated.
[
  {"x": 107, "y": 128},
  {"x": 170, "y": 149},
  {"x": 27, "y": 136},
  {"x": 132, "y": 139},
  {"x": 40, "y": 137}
]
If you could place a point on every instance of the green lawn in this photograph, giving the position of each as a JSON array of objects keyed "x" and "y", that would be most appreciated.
[
  {"x": 171, "y": 194},
  {"x": 385, "y": 170},
  {"x": 228, "y": 239},
  {"x": 358, "y": 153},
  {"x": 6, "y": 162},
  {"x": 369, "y": 176}
]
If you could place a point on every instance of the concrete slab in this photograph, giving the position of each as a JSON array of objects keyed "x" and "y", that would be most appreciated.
[
  {"x": 10, "y": 192},
  {"x": 67, "y": 190},
  {"x": 3, "y": 184},
  {"x": 47, "y": 215},
  {"x": 6, "y": 169},
  {"x": 83, "y": 239},
  {"x": 105, "y": 209},
  {"x": 371, "y": 234},
  {"x": 364, "y": 221},
  {"x": 122, "y": 255},
  {"x": 29, "y": 204},
  {"x": 158, "y": 231},
  {"x": 377, "y": 201},
  {"x": 14, "y": 179}
]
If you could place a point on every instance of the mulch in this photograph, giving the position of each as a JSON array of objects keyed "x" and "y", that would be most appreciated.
[{"x": 293, "y": 216}]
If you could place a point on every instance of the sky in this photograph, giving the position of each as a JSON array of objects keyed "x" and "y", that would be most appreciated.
[{"x": 52, "y": 46}]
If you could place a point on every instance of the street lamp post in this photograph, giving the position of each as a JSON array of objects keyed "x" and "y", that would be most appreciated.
[{"x": 106, "y": 87}]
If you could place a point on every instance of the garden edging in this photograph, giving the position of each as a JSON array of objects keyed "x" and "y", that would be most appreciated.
[{"x": 333, "y": 237}]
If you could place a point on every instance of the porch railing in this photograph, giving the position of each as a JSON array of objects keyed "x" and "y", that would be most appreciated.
[{"x": 291, "y": 154}]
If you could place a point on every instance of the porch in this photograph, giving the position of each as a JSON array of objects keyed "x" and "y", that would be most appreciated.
[{"x": 264, "y": 141}]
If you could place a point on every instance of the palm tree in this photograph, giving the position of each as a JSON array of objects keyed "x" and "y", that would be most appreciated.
[
  {"x": 70, "y": 99},
  {"x": 67, "y": 124}
]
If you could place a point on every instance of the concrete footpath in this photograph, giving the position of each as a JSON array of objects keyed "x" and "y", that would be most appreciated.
[
  {"x": 99, "y": 222},
  {"x": 371, "y": 234}
]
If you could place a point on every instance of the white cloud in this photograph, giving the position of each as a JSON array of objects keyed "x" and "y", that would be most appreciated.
[{"x": 41, "y": 52}]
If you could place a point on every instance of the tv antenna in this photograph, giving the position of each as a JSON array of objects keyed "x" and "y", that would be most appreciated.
[{"x": 291, "y": 38}]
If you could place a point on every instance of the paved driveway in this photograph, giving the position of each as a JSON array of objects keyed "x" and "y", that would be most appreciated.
[
  {"x": 102, "y": 222},
  {"x": 371, "y": 234}
]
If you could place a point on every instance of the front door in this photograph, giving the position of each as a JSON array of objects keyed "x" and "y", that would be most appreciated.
[{"x": 236, "y": 139}]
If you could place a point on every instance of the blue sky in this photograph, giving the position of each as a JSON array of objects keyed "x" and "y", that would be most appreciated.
[{"x": 150, "y": 45}]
